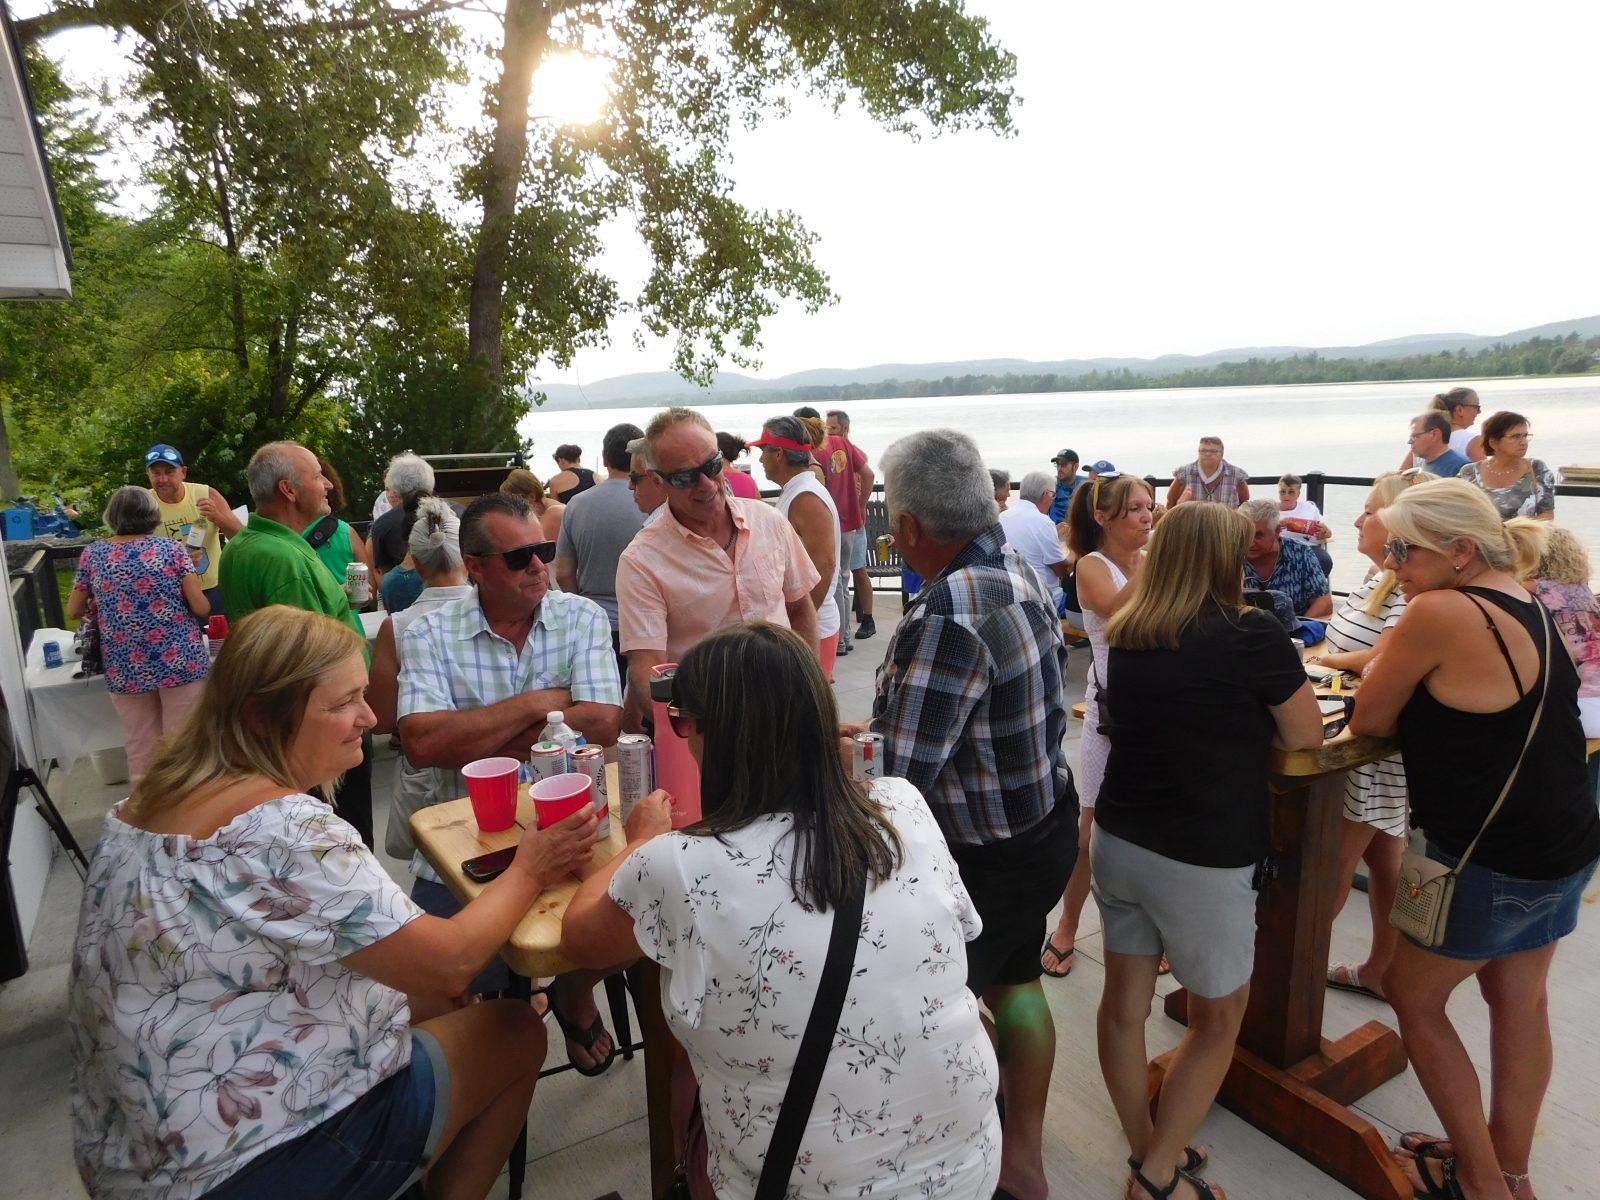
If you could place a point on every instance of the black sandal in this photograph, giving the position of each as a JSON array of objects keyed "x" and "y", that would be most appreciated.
[
  {"x": 586, "y": 1038},
  {"x": 1201, "y": 1187},
  {"x": 1446, "y": 1187},
  {"x": 1193, "y": 1161}
]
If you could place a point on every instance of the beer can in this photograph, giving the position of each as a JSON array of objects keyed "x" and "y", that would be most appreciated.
[
  {"x": 359, "y": 582},
  {"x": 883, "y": 543},
  {"x": 591, "y": 761},
  {"x": 636, "y": 770},
  {"x": 866, "y": 756},
  {"x": 52, "y": 654},
  {"x": 547, "y": 759}
]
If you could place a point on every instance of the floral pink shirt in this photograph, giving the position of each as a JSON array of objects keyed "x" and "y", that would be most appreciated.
[{"x": 1576, "y": 612}]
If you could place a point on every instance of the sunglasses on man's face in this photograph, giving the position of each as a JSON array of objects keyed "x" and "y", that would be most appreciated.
[
  {"x": 682, "y": 720},
  {"x": 518, "y": 559},
  {"x": 687, "y": 478}
]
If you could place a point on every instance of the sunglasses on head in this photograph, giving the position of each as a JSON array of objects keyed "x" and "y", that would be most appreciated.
[
  {"x": 519, "y": 558},
  {"x": 165, "y": 456},
  {"x": 682, "y": 720},
  {"x": 687, "y": 478}
]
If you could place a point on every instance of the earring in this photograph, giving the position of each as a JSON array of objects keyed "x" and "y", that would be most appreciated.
[{"x": 1459, "y": 566}]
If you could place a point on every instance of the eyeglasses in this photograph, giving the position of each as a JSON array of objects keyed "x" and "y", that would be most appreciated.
[
  {"x": 519, "y": 558},
  {"x": 1515, "y": 437},
  {"x": 1397, "y": 549},
  {"x": 687, "y": 478},
  {"x": 682, "y": 720}
]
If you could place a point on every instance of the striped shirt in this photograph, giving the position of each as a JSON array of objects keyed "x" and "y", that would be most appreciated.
[
  {"x": 969, "y": 698},
  {"x": 1374, "y": 793}
]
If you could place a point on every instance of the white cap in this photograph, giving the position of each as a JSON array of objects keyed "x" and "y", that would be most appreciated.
[{"x": 556, "y": 717}]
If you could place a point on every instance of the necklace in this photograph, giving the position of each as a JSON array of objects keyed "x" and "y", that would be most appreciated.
[{"x": 727, "y": 546}]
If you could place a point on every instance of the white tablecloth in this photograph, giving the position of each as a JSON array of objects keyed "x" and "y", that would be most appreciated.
[{"x": 70, "y": 716}]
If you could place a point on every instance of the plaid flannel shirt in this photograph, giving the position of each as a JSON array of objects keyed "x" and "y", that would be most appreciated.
[{"x": 969, "y": 697}]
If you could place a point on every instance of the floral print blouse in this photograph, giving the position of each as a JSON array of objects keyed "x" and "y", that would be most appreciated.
[
  {"x": 148, "y": 638},
  {"x": 906, "y": 1107},
  {"x": 209, "y": 1015},
  {"x": 1533, "y": 493}
]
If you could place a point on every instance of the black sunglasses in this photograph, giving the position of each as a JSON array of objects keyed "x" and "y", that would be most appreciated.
[
  {"x": 687, "y": 478},
  {"x": 519, "y": 558}
]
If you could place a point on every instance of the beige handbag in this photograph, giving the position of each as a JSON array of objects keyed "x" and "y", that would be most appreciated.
[{"x": 1421, "y": 907}]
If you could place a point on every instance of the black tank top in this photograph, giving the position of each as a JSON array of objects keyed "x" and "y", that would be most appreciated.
[
  {"x": 585, "y": 482},
  {"x": 1457, "y": 762}
]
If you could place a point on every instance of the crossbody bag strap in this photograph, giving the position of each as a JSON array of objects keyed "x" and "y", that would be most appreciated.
[
  {"x": 1533, "y": 727},
  {"x": 814, "y": 1047}
]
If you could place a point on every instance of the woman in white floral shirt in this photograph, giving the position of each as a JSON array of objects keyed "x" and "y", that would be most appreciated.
[
  {"x": 738, "y": 910},
  {"x": 239, "y": 1016}
]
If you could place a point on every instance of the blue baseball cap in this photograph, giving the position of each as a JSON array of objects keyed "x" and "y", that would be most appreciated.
[
  {"x": 163, "y": 453},
  {"x": 1104, "y": 467}
]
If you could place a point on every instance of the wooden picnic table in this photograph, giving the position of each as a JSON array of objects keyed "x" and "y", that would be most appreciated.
[{"x": 448, "y": 835}]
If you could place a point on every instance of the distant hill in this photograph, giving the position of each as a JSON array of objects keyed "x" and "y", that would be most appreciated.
[{"x": 659, "y": 387}]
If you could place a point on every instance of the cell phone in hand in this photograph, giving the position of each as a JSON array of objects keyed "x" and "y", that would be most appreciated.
[{"x": 489, "y": 866}]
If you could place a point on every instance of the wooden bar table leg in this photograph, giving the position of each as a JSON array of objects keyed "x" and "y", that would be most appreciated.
[
  {"x": 1286, "y": 1079},
  {"x": 521, "y": 989},
  {"x": 659, "y": 1047}
]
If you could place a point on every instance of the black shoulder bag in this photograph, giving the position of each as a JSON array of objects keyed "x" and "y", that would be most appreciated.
[
  {"x": 814, "y": 1047},
  {"x": 324, "y": 529}
]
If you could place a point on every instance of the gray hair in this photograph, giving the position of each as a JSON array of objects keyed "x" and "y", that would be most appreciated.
[
  {"x": 670, "y": 418},
  {"x": 131, "y": 510},
  {"x": 1000, "y": 479},
  {"x": 839, "y": 415},
  {"x": 1035, "y": 484},
  {"x": 268, "y": 467},
  {"x": 1291, "y": 480},
  {"x": 794, "y": 431},
  {"x": 435, "y": 537},
  {"x": 408, "y": 474},
  {"x": 939, "y": 478},
  {"x": 1261, "y": 509}
]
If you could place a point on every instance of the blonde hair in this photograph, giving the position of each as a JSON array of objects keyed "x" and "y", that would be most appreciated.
[
  {"x": 1453, "y": 510},
  {"x": 254, "y": 702},
  {"x": 525, "y": 483},
  {"x": 1564, "y": 559},
  {"x": 1389, "y": 485},
  {"x": 1114, "y": 498},
  {"x": 816, "y": 432},
  {"x": 1196, "y": 560}
]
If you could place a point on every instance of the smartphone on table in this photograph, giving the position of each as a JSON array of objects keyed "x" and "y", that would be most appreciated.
[{"x": 489, "y": 866}]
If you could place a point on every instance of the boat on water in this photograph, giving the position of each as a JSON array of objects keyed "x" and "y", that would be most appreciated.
[{"x": 1580, "y": 474}]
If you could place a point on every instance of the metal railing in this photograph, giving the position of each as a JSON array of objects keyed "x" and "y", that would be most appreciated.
[{"x": 35, "y": 597}]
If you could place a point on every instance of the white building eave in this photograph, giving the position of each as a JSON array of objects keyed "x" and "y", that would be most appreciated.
[{"x": 33, "y": 245}]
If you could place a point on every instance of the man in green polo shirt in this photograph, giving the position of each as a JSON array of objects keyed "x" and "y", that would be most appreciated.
[{"x": 269, "y": 562}]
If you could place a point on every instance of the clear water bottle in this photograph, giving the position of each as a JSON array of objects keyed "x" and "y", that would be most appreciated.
[{"x": 556, "y": 729}]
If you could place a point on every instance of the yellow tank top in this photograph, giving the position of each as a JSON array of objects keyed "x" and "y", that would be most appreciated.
[{"x": 175, "y": 522}]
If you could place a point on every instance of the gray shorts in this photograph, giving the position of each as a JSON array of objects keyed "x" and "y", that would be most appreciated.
[{"x": 1202, "y": 918}]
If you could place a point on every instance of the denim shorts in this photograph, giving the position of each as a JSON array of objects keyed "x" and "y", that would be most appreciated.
[
  {"x": 377, "y": 1147},
  {"x": 1493, "y": 915},
  {"x": 853, "y": 549}
]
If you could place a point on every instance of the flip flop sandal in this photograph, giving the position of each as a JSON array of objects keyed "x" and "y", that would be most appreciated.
[
  {"x": 586, "y": 1038},
  {"x": 1195, "y": 1159},
  {"x": 1445, "y": 1186},
  {"x": 1346, "y": 978},
  {"x": 1064, "y": 959},
  {"x": 1206, "y": 1191},
  {"x": 1414, "y": 1142}
]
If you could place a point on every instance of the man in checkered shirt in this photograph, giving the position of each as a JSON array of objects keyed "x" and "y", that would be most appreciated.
[
  {"x": 481, "y": 675},
  {"x": 969, "y": 703}
]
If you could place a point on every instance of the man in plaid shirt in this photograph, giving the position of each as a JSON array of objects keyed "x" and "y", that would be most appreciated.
[
  {"x": 481, "y": 675},
  {"x": 969, "y": 703}
]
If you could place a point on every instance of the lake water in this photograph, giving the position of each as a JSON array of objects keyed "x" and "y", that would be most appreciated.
[{"x": 1341, "y": 429}]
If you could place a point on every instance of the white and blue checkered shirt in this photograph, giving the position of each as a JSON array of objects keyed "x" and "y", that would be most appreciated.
[{"x": 453, "y": 661}]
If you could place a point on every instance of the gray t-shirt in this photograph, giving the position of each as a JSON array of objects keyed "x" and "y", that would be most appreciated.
[{"x": 598, "y": 525}]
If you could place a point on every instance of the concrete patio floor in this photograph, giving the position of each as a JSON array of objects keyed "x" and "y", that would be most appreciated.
[{"x": 587, "y": 1136}]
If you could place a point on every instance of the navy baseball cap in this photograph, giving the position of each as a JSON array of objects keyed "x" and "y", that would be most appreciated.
[
  {"x": 1065, "y": 456},
  {"x": 163, "y": 453},
  {"x": 1104, "y": 467}
]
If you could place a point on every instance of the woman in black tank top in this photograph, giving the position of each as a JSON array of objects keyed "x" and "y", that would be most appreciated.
[
  {"x": 1479, "y": 686},
  {"x": 571, "y": 479}
]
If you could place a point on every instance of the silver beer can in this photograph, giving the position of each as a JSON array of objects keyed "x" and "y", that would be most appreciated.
[
  {"x": 359, "y": 582},
  {"x": 547, "y": 759},
  {"x": 591, "y": 761},
  {"x": 866, "y": 756},
  {"x": 636, "y": 770}
]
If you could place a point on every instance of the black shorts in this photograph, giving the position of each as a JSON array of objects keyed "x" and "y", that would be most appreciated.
[{"x": 1014, "y": 884}]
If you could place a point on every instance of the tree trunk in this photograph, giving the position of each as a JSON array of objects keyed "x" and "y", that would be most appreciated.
[
  {"x": 527, "y": 30},
  {"x": 10, "y": 486}
]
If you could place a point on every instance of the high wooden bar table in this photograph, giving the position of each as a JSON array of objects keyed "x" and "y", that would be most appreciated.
[
  {"x": 1286, "y": 1078},
  {"x": 447, "y": 835}
]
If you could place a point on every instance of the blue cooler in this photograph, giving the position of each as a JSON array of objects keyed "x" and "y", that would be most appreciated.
[{"x": 19, "y": 524}]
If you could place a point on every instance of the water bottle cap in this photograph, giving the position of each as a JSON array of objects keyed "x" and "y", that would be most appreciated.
[{"x": 556, "y": 717}]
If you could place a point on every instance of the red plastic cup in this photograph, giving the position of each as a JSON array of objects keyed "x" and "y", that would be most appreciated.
[
  {"x": 217, "y": 628},
  {"x": 557, "y": 797},
  {"x": 492, "y": 788}
]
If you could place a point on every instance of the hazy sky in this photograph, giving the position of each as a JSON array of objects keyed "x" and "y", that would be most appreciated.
[{"x": 1186, "y": 178}]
